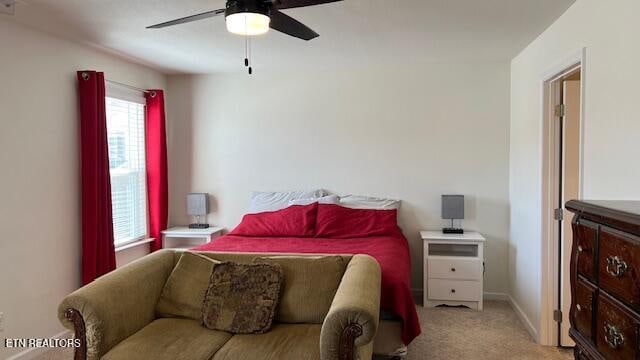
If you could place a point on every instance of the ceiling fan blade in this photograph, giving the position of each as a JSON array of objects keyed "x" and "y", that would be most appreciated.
[
  {"x": 288, "y": 4},
  {"x": 204, "y": 15},
  {"x": 290, "y": 26}
]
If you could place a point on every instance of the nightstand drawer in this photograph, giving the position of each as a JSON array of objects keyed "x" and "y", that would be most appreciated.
[
  {"x": 454, "y": 290},
  {"x": 445, "y": 267}
]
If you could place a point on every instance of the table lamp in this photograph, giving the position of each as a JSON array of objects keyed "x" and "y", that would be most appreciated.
[
  {"x": 197, "y": 206},
  {"x": 452, "y": 208}
]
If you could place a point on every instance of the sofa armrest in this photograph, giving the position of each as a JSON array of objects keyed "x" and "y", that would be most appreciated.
[
  {"x": 352, "y": 320},
  {"x": 116, "y": 305}
]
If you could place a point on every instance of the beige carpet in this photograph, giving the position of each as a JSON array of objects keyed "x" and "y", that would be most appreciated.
[{"x": 459, "y": 333}]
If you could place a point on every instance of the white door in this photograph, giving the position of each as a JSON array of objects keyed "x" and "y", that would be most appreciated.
[{"x": 569, "y": 189}]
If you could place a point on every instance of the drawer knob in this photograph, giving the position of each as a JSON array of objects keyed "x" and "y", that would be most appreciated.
[
  {"x": 616, "y": 266},
  {"x": 453, "y": 291},
  {"x": 580, "y": 248},
  {"x": 453, "y": 269},
  {"x": 578, "y": 307},
  {"x": 613, "y": 336}
]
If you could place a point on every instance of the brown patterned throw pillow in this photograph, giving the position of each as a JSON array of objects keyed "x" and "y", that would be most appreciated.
[{"x": 242, "y": 298}]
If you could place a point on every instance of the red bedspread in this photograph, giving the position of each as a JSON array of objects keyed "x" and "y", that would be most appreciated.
[{"x": 392, "y": 252}]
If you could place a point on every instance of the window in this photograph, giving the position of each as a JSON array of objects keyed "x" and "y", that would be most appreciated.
[{"x": 125, "y": 135}]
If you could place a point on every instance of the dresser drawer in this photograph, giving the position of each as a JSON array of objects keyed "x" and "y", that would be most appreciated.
[
  {"x": 585, "y": 245},
  {"x": 582, "y": 308},
  {"x": 617, "y": 330},
  {"x": 444, "y": 267},
  {"x": 454, "y": 290},
  {"x": 619, "y": 265}
]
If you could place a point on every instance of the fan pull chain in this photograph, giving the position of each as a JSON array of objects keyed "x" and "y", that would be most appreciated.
[
  {"x": 246, "y": 52},
  {"x": 247, "y": 48},
  {"x": 249, "y": 62},
  {"x": 246, "y": 44}
]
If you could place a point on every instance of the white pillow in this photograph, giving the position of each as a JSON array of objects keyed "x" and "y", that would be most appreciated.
[
  {"x": 368, "y": 202},
  {"x": 262, "y": 201},
  {"x": 329, "y": 199}
]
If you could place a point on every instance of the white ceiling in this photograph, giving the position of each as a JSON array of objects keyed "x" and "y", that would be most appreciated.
[{"x": 352, "y": 32}]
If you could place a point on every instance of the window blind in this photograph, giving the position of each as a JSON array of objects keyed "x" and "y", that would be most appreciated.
[{"x": 126, "y": 140}]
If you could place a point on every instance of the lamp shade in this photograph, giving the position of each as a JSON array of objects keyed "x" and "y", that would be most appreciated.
[
  {"x": 453, "y": 206},
  {"x": 197, "y": 204}
]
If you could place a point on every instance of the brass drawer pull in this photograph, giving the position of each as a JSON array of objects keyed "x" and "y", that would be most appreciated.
[
  {"x": 613, "y": 336},
  {"x": 616, "y": 266}
]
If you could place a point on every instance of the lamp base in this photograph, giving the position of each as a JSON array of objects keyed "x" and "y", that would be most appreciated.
[
  {"x": 198, "y": 226},
  {"x": 452, "y": 231}
]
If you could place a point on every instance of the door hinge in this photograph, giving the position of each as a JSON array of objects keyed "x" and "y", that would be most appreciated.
[
  {"x": 557, "y": 316},
  {"x": 558, "y": 214},
  {"x": 561, "y": 110}
]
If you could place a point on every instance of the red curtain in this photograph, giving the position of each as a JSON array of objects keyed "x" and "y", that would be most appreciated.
[
  {"x": 98, "y": 251},
  {"x": 157, "y": 185}
]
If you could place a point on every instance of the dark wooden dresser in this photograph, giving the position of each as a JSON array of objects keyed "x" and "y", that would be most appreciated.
[{"x": 605, "y": 279}]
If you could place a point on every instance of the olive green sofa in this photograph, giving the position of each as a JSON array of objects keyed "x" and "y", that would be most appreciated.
[{"x": 115, "y": 318}]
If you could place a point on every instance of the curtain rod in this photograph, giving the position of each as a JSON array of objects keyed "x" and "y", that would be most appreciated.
[{"x": 131, "y": 87}]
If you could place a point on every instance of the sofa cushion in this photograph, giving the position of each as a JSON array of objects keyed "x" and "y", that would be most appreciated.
[
  {"x": 242, "y": 298},
  {"x": 185, "y": 288},
  {"x": 170, "y": 339},
  {"x": 282, "y": 342},
  {"x": 310, "y": 283}
]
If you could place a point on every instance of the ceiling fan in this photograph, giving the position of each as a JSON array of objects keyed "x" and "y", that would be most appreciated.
[{"x": 255, "y": 17}]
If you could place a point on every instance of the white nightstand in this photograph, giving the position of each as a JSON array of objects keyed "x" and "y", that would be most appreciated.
[
  {"x": 453, "y": 269},
  {"x": 208, "y": 235}
]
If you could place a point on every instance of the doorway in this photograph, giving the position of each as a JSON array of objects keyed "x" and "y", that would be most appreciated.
[{"x": 563, "y": 172}]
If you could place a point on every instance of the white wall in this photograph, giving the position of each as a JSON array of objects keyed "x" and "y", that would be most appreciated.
[
  {"x": 609, "y": 30},
  {"x": 39, "y": 176},
  {"x": 411, "y": 133}
]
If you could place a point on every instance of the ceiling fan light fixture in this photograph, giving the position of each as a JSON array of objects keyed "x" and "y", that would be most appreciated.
[{"x": 248, "y": 23}]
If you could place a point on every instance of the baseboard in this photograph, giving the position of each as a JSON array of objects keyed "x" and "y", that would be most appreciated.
[
  {"x": 32, "y": 353},
  {"x": 523, "y": 318},
  {"x": 495, "y": 296}
]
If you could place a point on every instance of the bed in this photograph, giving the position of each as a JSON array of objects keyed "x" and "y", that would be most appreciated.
[{"x": 332, "y": 229}]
